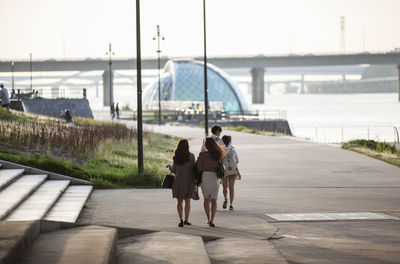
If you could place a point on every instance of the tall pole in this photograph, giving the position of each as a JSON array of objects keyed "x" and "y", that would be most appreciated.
[
  {"x": 12, "y": 76},
  {"x": 139, "y": 90},
  {"x": 159, "y": 65},
  {"x": 205, "y": 72},
  {"x": 30, "y": 67},
  {"x": 110, "y": 53}
]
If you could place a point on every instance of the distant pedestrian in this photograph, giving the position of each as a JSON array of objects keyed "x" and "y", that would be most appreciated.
[
  {"x": 112, "y": 111},
  {"x": 117, "y": 110},
  {"x": 230, "y": 162},
  {"x": 183, "y": 187},
  {"x": 35, "y": 95},
  {"x": 13, "y": 94},
  {"x": 5, "y": 100},
  {"x": 208, "y": 163}
]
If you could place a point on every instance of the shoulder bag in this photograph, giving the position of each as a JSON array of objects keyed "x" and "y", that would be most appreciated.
[{"x": 168, "y": 181}]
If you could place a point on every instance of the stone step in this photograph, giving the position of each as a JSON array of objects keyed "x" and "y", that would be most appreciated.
[
  {"x": 15, "y": 238},
  {"x": 162, "y": 247},
  {"x": 18, "y": 191},
  {"x": 39, "y": 203},
  {"x": 239, "y": 250},
  {"x": 79, "y": 245},
  {"x": 70, "y": 204},
  {"x": 7, "y": 176}
]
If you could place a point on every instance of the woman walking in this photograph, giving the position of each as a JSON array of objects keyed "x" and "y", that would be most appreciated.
[
  {"x": 230, "y": 162},
  {"x": 183, "y": 186},
  {"x": 208, "y": 163}
]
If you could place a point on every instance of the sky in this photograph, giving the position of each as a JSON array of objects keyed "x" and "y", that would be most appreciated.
[{"x": 54, "y": 29}]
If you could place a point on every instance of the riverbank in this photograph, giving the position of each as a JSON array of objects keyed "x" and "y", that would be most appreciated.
[
  {"x": 378, "y": 150},
  {"x": 104, "y": 153}
]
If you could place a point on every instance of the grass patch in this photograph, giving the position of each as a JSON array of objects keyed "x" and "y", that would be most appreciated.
[
  {"x": 378, "y": 150},
  {"x": 252, "y": 131},
  {"x": 104, "y": 153}
]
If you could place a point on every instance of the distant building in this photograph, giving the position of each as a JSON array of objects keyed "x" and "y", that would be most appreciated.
[{"x": 182, "y": 86}]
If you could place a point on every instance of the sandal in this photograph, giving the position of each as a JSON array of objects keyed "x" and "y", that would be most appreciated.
[
  {"x": 231, "y": 208},
  {"x": 211, "y": 224},
  {"x": 181, "y": 223},
  {"x": 187, "y": 223},
  {"x": 225, "y": 204}
]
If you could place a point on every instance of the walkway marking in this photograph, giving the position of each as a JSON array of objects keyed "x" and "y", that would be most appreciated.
[{"x": 331, "y": 216}]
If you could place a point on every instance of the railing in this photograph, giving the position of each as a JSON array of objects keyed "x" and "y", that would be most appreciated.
[
  {"x": 49, "y": 93},
  {"x": 339, "y": 134}
]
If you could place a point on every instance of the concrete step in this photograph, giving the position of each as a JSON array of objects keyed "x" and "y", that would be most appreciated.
[
  {"x": 39, "y": 203},
  {"x": 7, "y": 176},
  {"x": 79, "y": 245},
  {"x": 162, "y": 247},
  {"x": 70, "y": 204},
  {"x": 18, "y": 191},
  {"x": 239, "y": 250},
  {"x": 15, "y": 238}
]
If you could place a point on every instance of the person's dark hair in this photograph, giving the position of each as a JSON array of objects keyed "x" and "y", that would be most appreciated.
[
  {"x": 226, "y": 139},
  {"x": 216, "y": 128},
  {"x": 181, "y": 153},
  {"x": 214, "y": 149}
]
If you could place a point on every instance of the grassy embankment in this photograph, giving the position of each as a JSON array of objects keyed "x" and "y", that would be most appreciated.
[
  {"x": 253, "y": 131},
  {"x": 377, "y": 150},
  {"x": 104, "y": 153}
]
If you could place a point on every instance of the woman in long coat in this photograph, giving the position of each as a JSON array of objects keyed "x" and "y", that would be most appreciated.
[{"x": 183, "y": 186}]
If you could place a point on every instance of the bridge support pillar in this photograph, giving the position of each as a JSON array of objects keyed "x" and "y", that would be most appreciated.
[
  {"x": 398, "y": 84},
  {"x": 108, "y": 92},
  {"x": 267, "y": 87},
  {"x": 302, "y": 90},
  {"x": 257, "y": 83}
]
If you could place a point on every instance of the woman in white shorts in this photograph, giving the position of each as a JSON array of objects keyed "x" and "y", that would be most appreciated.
[{"x": 208, "y": 163}]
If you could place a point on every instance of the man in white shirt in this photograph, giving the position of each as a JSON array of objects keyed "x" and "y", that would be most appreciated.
[
  {"x": 215, "y": 133},
  {"x": 5, "y": 101}
]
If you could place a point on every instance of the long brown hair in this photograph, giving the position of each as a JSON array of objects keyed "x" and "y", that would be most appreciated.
[
  {"x": 181, "y": 153},
  {"x": 214, "y": 149}
]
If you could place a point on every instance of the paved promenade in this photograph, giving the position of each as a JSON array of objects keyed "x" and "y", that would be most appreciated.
[{"x": 281, "y": 176}]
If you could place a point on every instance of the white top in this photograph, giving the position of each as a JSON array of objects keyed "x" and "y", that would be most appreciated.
[
  {"x": 4, "y": 96},
  {"x": 217, "y": 139}
]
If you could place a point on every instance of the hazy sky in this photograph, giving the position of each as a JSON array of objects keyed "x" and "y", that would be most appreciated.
[{"x": 83, "y": 28}]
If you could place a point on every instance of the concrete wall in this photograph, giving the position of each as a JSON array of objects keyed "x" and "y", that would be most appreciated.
[{"x": 53, "y": 107}]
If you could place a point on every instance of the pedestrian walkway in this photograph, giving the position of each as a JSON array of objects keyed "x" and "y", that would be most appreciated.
[{"x": 279, "y": 176}]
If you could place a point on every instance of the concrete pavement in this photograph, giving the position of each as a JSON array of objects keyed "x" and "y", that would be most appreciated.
[{"x": 280, "y": 175}]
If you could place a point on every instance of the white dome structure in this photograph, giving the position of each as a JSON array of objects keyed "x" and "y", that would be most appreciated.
[{"x": 183, "y": 81}]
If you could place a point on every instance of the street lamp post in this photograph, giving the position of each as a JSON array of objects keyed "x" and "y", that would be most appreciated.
[
  {"x": 30, "y": 67},
  {"x": 12, "y": 76},
  {"x": 110, "y": 53},
  {"x": 139, "y": 90},
  {"x": 158, "y": 37},
  {"x": 205, "y": 72}
]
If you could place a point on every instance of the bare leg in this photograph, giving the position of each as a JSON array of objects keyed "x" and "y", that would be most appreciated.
[
  {"x": 225, "y": 187},
  {"x": 187, "y": 209},
  {"x": 213, "y": 208},
  {"x": 207, "y": 207},
  {"x": 179, "y": 207},
  {"x": 231, "y": 189}
]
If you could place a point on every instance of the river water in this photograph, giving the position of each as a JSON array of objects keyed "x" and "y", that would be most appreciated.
[{"x": 333, "y": 118}]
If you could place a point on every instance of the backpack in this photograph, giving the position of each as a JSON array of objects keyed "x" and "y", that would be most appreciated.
[{"x": 230, "y": 164}]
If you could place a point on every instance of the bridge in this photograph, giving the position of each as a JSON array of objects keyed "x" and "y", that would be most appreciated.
[{"x": 257, "y": 64}]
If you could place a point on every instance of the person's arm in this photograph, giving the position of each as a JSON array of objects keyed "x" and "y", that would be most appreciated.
[
  {"x": 202, "y": 147},
  {"x": 200, "y": 163},
  {"x": 172, "y": 168}
]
